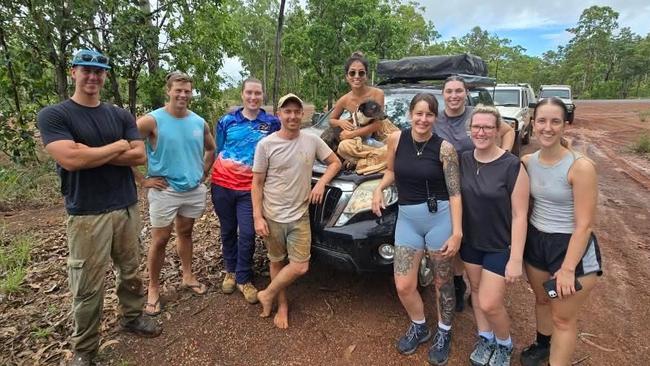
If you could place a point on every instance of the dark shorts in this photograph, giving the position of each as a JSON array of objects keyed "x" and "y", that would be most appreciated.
[
  {"x": 494, "y": 262},
  {"x": 546, "y": 252}
]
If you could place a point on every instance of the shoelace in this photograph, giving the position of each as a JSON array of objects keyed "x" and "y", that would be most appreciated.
[
  {"x": 439, "y": 341},
  {"x": 412, "y": 332}
]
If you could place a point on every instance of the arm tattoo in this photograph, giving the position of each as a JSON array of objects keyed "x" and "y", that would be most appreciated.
[
  {"x": 443, "y": 270},
  {"x": 449, "y": 159},
  {"x": 403, "y": 260}
]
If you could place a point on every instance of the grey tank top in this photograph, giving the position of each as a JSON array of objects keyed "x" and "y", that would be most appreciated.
[{"x": 552, "y": 194}]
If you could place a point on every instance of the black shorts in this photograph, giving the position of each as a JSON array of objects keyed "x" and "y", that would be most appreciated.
[
  {"x": 546, "y": 252},
  {"x": 494, "y": 262}
]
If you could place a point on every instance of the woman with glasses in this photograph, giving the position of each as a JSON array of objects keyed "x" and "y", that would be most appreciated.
[
  {"x": 560, "y": 243},
  {"x": 452, "y": 125},
  {"x": 495, "y": 206},
  {"x": 424, "y": 168},
  {"x": 356, "y": 154}
]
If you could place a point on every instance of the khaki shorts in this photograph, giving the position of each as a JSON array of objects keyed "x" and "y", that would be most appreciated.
[
  {"x": 292, "y": 239},
  {"x": 166, "y": 204}
]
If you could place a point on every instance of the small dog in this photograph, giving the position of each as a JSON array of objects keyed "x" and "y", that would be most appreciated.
[{"x": 368, "y": 112}]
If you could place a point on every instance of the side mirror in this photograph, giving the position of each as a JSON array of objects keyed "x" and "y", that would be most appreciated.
[
  {"x": 532, "y": 105},
  {"x": 316, "y": 117}
]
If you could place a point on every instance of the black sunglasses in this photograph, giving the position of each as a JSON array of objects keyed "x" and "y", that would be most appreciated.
[
  {"x": 100, "y": 59},
  {"x": 354, "y": 73}
]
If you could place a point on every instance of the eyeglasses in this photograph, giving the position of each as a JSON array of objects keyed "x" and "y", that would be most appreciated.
[
  {"x": 85, "y": 57},
  {"x": 354, "y": 73},
  {"x": 486, "y": 129}
]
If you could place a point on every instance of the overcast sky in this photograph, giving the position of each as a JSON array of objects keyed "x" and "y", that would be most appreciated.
[{"x": 536, "y": 25}]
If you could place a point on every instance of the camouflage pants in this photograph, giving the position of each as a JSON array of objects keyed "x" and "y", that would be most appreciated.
[{"x": 93, "y": 240}]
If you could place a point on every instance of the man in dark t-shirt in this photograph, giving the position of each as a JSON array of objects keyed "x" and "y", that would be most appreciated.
[{"x": 94, "y": 145}]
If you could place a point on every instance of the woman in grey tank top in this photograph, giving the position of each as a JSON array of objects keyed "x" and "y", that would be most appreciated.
[{"x": 560, "y": 243}]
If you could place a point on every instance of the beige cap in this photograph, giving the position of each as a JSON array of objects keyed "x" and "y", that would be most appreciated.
[{"x": 288, "y": 97}]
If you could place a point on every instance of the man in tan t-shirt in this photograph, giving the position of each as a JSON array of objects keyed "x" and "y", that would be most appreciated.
[{"x": 281, "y": 195}]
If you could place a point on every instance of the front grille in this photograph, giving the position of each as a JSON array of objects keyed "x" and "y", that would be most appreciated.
[{"x": 321, "y": 213}]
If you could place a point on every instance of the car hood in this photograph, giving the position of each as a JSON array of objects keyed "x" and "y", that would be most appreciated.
[{"x": 511, "y": 112}]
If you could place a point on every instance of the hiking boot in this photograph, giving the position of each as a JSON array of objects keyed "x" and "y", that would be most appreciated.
[
  {"x": 439, "y": 351},
  {"x": 415, "y": 335},
  {"x": 501, "y": 356},
  {"x": 249, "y": 291},
  {"x": 143, "y": 326},
  {"x": 460, "y": 287},
  {"x": 482, "y": 352},
  {"x": 228, "y": 284},
  {"x": 82, "y": 359},
  {"x": 535, "y": 355}
]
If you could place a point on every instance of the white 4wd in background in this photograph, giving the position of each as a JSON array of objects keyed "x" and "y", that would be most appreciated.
[
  {"x": 563, "y": 92},
  {"x": 512, "y": 101}
]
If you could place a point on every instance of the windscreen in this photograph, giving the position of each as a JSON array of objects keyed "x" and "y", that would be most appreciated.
[
  {"x": 506, "y": 98},
  {"x": 560, "y": 93}
]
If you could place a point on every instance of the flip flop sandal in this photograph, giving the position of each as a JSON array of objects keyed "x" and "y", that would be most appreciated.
[
  {"x": 191, "y": 289},
  {"x": 154, "y": 305}
]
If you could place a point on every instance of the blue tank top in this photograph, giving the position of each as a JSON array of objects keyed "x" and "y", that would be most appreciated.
[
  {"x": 553, "y": 210},
  {"x": 178, "y": 155}
]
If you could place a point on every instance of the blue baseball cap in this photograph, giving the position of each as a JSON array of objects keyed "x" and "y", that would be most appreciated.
[{"x": 90, "y": 58}]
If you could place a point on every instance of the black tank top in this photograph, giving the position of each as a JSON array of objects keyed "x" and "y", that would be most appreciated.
[
  {"x": 413, "y": 172},
  {"x": 487, "y": 209}
]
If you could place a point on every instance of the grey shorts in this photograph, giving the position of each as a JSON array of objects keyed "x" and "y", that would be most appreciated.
[
  {"x": 419, "y": 229},
  {"x": 166, "y": 204}
]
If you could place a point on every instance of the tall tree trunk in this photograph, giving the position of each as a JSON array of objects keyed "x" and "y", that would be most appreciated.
[
  {"x": 115, "y": 88},
  {"x": 12, "y": 74},
  {"x": 278, "y": 37},
  {"x": 133, "y": 85}
]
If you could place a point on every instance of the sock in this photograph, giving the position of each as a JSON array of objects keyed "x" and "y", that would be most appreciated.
[
  {"x": 419, "y": 322},
  {"x": 543, "y": 340},
  {"x": 487, "y": 335},
  {"x": 505, "y": 342},
  {"x": 446, "y": 328}
]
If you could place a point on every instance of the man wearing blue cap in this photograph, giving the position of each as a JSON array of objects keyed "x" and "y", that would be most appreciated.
[{"x": 94, "y": 145}]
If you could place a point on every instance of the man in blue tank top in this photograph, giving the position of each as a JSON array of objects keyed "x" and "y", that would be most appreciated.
[{"x": 178, "y": 144}]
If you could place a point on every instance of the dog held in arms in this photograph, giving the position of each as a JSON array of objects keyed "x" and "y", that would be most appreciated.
[{"x": 368, "y": 112}]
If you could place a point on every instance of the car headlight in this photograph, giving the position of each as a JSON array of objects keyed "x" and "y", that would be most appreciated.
[
  {"x": 570, "y": 107},
  {"x": 361, "y": 200}
]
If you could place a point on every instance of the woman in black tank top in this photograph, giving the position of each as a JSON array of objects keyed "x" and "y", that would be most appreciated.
[
  {"x": 425, "y": 169},
  {"x": 495, "y": 205}
]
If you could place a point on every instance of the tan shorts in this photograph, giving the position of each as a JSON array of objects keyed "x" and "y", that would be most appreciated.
[
  {"x": 164, "y": 205},
  {"x": 292, "y": 239}
]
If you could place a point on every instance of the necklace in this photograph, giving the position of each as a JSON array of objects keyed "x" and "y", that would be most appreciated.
[
  {"x": 480, "y": 165},
  {"x": 420, "y": 150}
]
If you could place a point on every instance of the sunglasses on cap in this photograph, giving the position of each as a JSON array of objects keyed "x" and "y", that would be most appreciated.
[
  {"x": 354, "y": 73},
  {"x": 85, "y": 57}
]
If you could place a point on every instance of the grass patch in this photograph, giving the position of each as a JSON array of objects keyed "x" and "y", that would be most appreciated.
[
  {"x": 644, "y": 115},
  {"x": 642, "y": 145},
  {"x": 40, "y": 333},
  {"x": 35, "y": 185},
  {"x": 14, "y": 259}
]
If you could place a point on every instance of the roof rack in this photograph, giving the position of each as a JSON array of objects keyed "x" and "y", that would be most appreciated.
[{"x": 470, "y": 80}]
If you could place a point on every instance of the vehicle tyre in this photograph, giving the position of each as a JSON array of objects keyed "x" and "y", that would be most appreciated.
[{"x": 570, "y": 117}]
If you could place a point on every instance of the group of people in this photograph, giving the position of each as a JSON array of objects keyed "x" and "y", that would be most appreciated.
[
  {"x": 460, "y": 191},
  {"x": 259, "y": 166}
]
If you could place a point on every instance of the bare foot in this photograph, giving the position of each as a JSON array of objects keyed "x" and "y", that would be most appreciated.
[
  {"x": 152, "y": 307},
  {"x": 267, "y": 303},
  {"x": 281, "y": 319}
]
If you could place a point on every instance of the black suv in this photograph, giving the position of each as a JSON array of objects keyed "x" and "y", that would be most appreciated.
[{"x": 345, "y": 232}]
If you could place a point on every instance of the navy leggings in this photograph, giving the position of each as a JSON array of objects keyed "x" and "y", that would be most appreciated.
[{"x": 235, "y": 211}]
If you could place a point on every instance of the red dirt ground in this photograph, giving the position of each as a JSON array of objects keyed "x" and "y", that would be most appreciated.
[{"x": 344, "y": 319}]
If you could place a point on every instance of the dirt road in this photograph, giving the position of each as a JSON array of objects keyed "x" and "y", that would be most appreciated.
[{"x": 344, "y": 319}]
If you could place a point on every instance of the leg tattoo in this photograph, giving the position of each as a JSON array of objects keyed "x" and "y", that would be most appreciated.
[
  {"x": 443, "y": 271},
  {"x": 403, "y": 260}
]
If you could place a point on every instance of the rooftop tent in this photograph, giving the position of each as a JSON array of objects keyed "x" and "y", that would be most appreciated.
[{"x": 472, "y": 68}]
